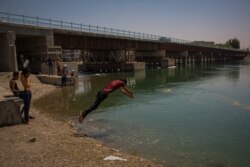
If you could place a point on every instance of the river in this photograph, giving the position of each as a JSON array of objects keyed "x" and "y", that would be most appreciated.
[{"x": 191, "y": 116}]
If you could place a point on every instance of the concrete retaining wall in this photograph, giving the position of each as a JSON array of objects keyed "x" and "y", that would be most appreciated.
[
  {"x": 167, "y": 62},
  {"x": 133, "y": 66},
  {"x": 56, "y": 80},
  {"x": 10, "y": 113}
]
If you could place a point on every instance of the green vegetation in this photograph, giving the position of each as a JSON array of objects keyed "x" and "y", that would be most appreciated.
[{"x": 231, "y": 43}]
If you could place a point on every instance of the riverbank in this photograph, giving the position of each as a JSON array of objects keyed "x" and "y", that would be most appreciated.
[{"x": 49, "y": 142}]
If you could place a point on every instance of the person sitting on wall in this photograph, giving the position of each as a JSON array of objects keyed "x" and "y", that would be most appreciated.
[{"x": 13, "y": 85}]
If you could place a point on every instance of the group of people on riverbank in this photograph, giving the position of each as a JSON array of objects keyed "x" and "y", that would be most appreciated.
[
  {"x": 63, "y": 72},
  {"x": 26, "y": 93}
]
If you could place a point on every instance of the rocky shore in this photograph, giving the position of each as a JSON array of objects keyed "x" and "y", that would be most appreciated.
[{"x": 49, "y": 142}]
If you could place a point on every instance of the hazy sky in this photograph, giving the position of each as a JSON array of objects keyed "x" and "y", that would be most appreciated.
[{"x": 209, "y": 20}]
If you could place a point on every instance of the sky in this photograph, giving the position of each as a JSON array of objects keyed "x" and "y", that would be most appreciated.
[{"x": 202, "y": 20}]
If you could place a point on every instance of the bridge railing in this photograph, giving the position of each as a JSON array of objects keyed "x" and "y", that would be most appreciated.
[{"x": 50, "y": 23}]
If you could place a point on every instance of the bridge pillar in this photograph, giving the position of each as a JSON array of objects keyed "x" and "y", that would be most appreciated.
[
  {"x": 36, "y": 49},
  {"x": 190, "y": 60},
  {"x": 8, "y": 52},
  {"x": 203, "y": 59},
  {"x": 151, "y": 58},
  {"x": 185, "y": 57}
]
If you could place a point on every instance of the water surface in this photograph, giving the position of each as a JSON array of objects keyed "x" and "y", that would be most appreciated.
[{"x": 190, "y": 116}]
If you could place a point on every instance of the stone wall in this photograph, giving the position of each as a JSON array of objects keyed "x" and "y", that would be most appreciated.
[
  {"x": 133, "y": 66},
  {"x": 10, "y": 113},
  {"x": 56, "y": 80}
]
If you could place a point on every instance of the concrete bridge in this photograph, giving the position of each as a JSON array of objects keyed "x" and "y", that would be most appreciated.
[{"x": 98, "y": 48}]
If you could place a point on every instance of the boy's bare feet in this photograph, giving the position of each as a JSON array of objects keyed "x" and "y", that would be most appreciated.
[{"x": 81, "y": 118}]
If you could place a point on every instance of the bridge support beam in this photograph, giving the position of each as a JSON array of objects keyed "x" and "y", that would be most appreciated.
[
  {"x": 153, "y": 59},
  {"x": 110, "y": 61},
  {"x": 8, "y": 52}
]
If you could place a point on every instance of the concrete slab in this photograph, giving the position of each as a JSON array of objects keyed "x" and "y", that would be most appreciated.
[
  {"x": 10, "y": 112},
  {"x": 56, "y": 80}
]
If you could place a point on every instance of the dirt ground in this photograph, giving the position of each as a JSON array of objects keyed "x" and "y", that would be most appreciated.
[{"x": 48, "y": 142}]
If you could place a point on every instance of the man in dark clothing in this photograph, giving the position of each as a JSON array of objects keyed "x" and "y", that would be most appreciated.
[
  {"x": 64, "y": 74},
  {"x": 50, "y": 62},
  {"x": 103, "y": 94}
]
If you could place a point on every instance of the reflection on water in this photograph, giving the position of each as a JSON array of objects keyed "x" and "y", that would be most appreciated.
[
  {"x": 191, "y": 116},
  {"x": 84, "y": 85}
]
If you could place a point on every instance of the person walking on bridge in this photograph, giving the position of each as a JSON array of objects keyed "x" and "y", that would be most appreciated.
[{"x": 103, "y": 94}]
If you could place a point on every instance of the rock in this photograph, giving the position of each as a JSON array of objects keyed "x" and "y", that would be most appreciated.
[
  {"x": 32, "y": 140},
  {"x": 77, "y": 134},
  {"x": 114, "y": 150},
  {"x": 114, "y": 158}
]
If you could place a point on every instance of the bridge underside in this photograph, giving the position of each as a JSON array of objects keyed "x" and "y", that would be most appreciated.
[{"x": 100, "y": 53}]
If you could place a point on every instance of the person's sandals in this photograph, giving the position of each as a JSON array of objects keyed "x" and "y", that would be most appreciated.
[{"x": 25, "y": 122}]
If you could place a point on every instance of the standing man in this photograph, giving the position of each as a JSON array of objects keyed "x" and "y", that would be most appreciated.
[
  {"x": 25, "y": 79},
  {"x": 65, "y": 72},
  {"x": 50, "y": 62},
  {"x": 58, "y": 60},
  {"x": 103, "y": 94}
]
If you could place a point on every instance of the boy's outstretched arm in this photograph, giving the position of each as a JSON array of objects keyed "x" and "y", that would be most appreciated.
[{"x": 126, "y": 91}]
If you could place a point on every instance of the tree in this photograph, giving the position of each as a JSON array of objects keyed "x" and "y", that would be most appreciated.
[{"x": 233, "y": 43}]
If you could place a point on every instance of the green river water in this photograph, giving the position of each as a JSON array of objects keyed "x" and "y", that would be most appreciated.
[{"x": 193, "y": 116}]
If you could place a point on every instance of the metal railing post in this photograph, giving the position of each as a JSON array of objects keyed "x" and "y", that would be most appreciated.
[{"x": 8, "y": 17}]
